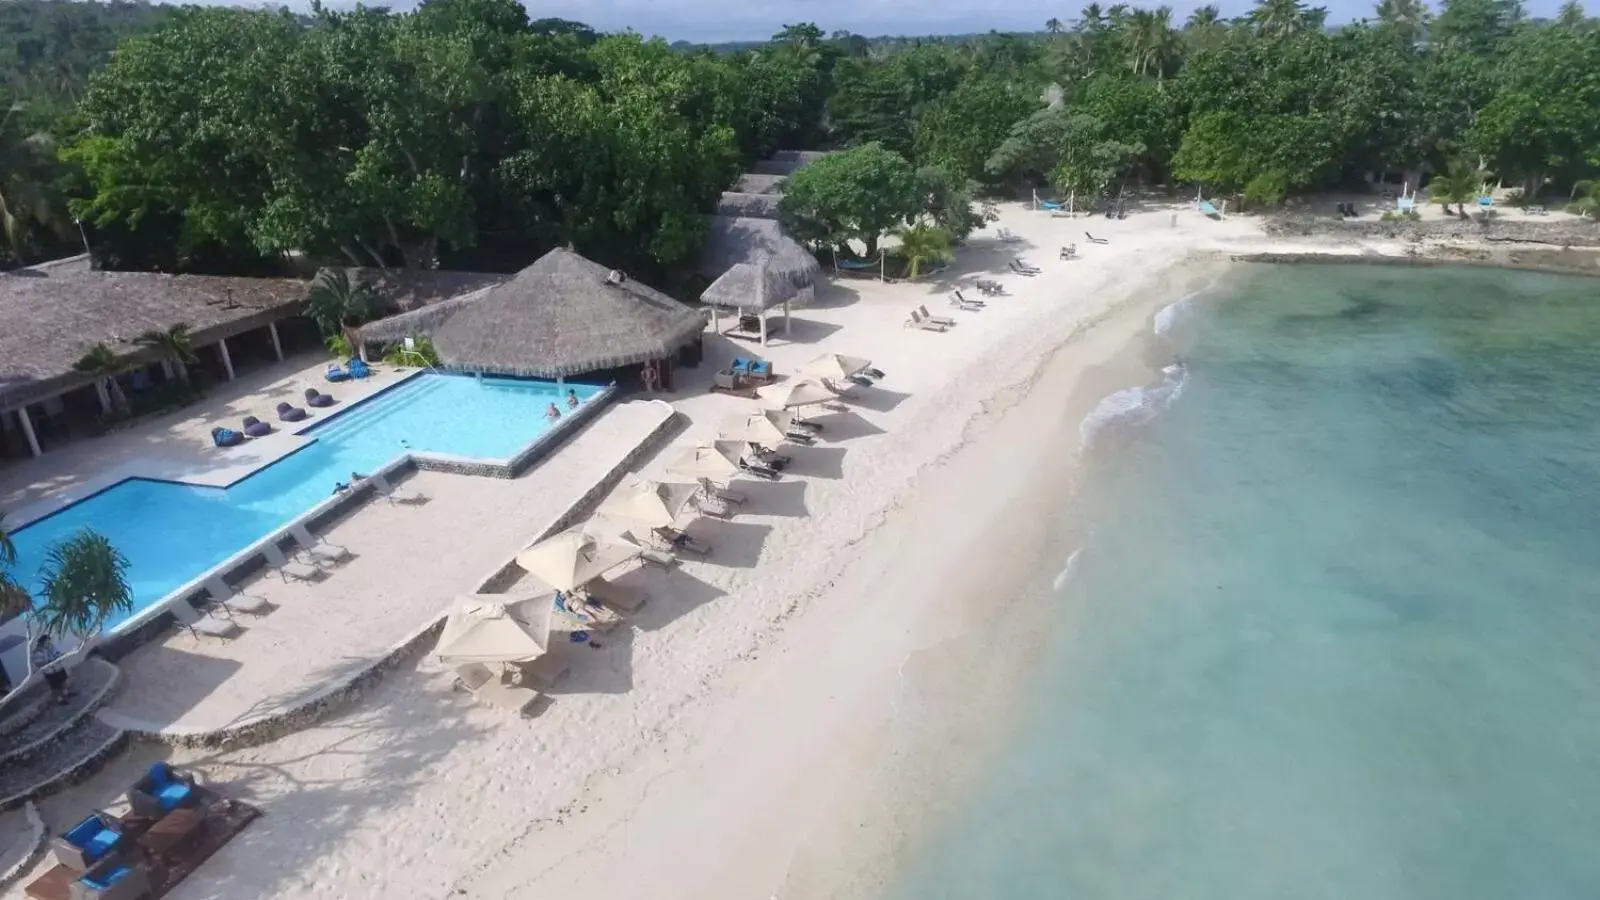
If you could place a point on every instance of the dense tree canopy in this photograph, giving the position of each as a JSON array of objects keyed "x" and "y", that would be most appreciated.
[{"x": 463, "y": 134}]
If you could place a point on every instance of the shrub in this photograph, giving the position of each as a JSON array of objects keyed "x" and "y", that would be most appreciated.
[
  {"x": 339, "y": 346},
  {"x": 422, "y": 354}
]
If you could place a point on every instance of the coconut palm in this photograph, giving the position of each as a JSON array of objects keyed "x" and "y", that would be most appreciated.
[
  {"x": 1571, "y": 15},
  {"x": 1279, "y": 18},
  {"x": 336, "y": 303},
  {"x": 83, "y": 583},
  {"x": 922, "y": 243},
  {"x": 24, "y": 194},
  {"x": 13, "y": 598},
  {"x": 8, "y": 550},
  {"x": 1154, "y": 43},
  {"x": 1407, "y": 17},
  {"x": 175, "y": 345},
  {"x": 1053, "y": 27},
  {"x": 105, "y": 365},
  {"x": 1460, "y": 185},
  {"x": 1586, "y": 199}
]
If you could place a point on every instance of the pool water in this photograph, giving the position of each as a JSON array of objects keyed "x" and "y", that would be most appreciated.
[{"x": 172, "y": 533}]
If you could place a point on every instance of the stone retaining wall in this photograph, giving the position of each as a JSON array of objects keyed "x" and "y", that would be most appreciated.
[
  {"x": 1562, "y": 261},
  {"x": 1556, "y": 232},
  {"x": 45, "y": 744},
  {"x": 78, "y": 772},
  {"x": 35, "y": 842},
  {"x": 271, "y": 726}
]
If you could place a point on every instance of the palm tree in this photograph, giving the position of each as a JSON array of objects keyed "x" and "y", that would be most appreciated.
[
  {"x": 923, "y": 243},
  {"x": 24, "y": 198},
  {"x": 1586, "y": 199},
  {"x": 1053, "y": 27},
  {"x": 1571, "y": 15},
  {"x": 14, "y": 600},
  {"x": 1154, "y": 43},
  {"x": 1278, "y": 18},
  {"x": 1459, "y": 185},
  {"x": 335, "y": 302},
  {"x": 175, "y": 345},
  {"x": 83, "y": 583},
  {"x": 1406, "y": 17},
  {"x": 105, "y": 365},
  {"x": 8, "y": 550}
]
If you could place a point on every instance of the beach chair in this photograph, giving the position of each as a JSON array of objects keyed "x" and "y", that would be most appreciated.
[
  {"x": 583, "y": 616},
  {"x": 917, "y": 321},
  {"x": 1207, "y": 209},
  {"x": 483, "y": 683},
  {"x": 1095, "y": 240},
  {"x": 316, "y": 550},
  {"x": 396, "y": 495},
  {"x": 753, "y": 369},
  {"x": 937, "y": 320},
  {"x": 961, "y": 302},
  {"x": 619, "y": 597},
  {"x": 675, "y": 540},
  {"x": 249, "y": 604},
  {"x": 213, "y": 627},
  {"x": 1070, "y": 251},
  {"x": 722, "y": 494},
  {"x": 1007, "y": 236},
  {"x": 1022, "y": 265},
  {"x": 1022, "y": 270},
  {"x": 294, "y": 570}
]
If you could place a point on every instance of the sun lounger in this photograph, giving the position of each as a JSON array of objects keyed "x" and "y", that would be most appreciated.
[
  {"x": 619, "y": 597},
  {"x": 483, "y": 683},
  {"x": 1070, "y": 251},
  {"x": 968, "y": 305},
  {"x": 723, "y": 494},
  {"x": 937, "y": 320},
  {"x": 1007, "y": 236},
  {"x": 917, "y": 321},
  {"x": 679, "y": 541},
  {"x": 581, "y": 615},
  {"x": 294, "y": 570},
  {"x": 758, "y": 469},
  {"x": 543, "y": 672},
  {"x": 211, "y": 626},
  {"x": 1020, "y": 270},
  {"x": 248, "y": 604},
  {"x": 397, "y": 495},
  {"x": 1022, "y": 265},
  {"x": 315, "y": 550},
  {"x": 1095, "y": 240}
]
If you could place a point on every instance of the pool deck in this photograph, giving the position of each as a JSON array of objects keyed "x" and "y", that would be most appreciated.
[
  {"x": 409, "y": 563},
  {"x": 177, "y": 446}
]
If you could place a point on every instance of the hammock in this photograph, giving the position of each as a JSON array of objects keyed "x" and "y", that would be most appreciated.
[
  {"x": 1208, "y": 209},
  {"x": 1051, "y": 204},
  {"x": 856, "y": 263}
]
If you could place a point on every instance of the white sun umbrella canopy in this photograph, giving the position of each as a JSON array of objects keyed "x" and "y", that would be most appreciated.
[
  {"x": 573, "y": 558},
  {"x": 795, "y": 392},
  {"x": 653, "y": 504},
  {"x": 766, "y": 428},
  {"x": 834, "y": 367},
  {"x": 718, "y": 461},
  {"x": 497, "y": 628}
]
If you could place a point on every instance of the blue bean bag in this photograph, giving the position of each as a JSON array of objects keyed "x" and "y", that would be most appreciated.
[
  {"x": 255, "y": 427},
  {"x": 226, "y": 437},
  {"x": 290, "y": 413},
  {"x": 317, "y": 398}
]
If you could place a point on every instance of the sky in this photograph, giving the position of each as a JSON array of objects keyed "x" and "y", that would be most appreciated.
[{"x": 722, "y": 20}]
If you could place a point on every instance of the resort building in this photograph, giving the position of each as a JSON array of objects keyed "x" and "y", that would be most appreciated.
[
  {"x": 561, "y": 317},
  {"x": 753, "y": 266},
  {"x": 53, "y": 314}
]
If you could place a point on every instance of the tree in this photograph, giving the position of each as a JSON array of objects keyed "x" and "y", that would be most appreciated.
[
  {"x": 946, "y": 200},
  {"x": 336, "y": 303},
  {"x": 1461, "y": 184},
  {"x": 961, "y": 130},
  {"x": 103, "y": 364},
  {"x": 1586, "y": 199},
  {"x": 1407, "y": 18},
  {"x": 14, "y": 599},
  {"x": 1281, "y": 18},
  {"x": 174, "y": 345},
  {"x": 859, "y": 194},
  {"x": 922, "y": 243},
  {"x": 1053, "y": 27},
  {"x": 1541, "y": 119},
  {"x": 28, "y": 202},
  {"x": 1571, "y": 15}
]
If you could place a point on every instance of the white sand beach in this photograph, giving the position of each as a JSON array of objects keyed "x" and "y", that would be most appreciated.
[{"x": 750, "y": 734}]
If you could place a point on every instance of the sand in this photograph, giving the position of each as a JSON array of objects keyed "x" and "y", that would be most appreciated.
[{"x": 746, "y": 737}]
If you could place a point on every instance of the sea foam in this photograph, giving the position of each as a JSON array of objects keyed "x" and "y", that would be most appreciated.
[{"x": 1131, "y": 407}]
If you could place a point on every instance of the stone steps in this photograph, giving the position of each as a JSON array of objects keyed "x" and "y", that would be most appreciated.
[
  {"x": 74, "y": 756},
  {"x": 94, "y": 681}
]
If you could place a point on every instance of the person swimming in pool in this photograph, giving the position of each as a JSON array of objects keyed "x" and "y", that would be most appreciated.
[
  {"x": 572, "y": 399},
  {"x": 553, "y": 413}
]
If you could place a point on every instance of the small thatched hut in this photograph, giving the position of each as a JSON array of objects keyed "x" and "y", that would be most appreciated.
[
  {"x": 733, "y": 240},
  {"x": 564, "y": 315},
  {"x": 751, "y": 289}
]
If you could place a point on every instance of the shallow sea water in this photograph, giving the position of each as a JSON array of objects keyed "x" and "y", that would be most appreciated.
[{"x": 1334, "y": 631}]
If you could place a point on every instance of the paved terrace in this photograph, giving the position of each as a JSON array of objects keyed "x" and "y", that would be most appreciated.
[
  {"x": 410, "y": 562},
  {"x": 177, "y": 446}
]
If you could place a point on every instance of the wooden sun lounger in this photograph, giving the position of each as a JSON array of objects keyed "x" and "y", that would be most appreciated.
[
  {"x": 917, "y": 321},
  {"x": 480, "y": 681}
]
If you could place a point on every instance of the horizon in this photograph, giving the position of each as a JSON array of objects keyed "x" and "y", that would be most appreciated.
[{"x": 700, "y": 22}]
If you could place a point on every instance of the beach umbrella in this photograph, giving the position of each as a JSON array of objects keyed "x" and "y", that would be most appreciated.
[
  {"x": 497, "y": 628},
  {"x": 653, "y": 504},
  {"x": 795, "y": 392},
  {"x": 766, "y": 428},
  {"x": 718, "y": 460},
  {"x": 834, "y": 367},
  {"x": 573, "y": 558}
]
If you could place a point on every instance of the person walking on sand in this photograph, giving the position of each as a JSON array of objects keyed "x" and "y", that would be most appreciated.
[
  {"x": 45, "y": 656},
  {"x": 553, "y": 413}
]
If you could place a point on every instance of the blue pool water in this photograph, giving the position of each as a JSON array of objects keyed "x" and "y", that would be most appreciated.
[{"x": 171, "y": 533}]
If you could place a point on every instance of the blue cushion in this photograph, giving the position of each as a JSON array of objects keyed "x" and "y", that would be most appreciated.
[
  {"x": 101, "y": 844},
  {"x": 760, "y": 367},
  {"x": 105, "y": 880},
  {"x": 170, "y": 795},
  {"x": 740, "y": 364}
]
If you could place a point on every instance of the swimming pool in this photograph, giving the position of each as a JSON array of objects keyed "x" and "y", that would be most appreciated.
[{"x": 173, "y": 533}]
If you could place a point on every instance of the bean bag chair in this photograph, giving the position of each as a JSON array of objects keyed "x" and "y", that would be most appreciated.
[
  {"x": 358, "y": 369},
  {"x": 255, "y": 427},
  {"x": 289, "y": 413},
  {"x": 226, "y": 437},
  {"x": 317, "y": 398},
  {"x": 336, "y": 372}
]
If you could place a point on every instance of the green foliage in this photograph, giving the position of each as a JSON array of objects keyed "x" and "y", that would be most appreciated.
[
  {"x": 947, "y": 200},
  {"x": 1461, "y": 184},
  {"x": 339, "y": 346},
  {"x": 923, "y": 243},
  {"x": 175, "y": 344},
  {"x": 859, "y": 194},
  {"x": 421, "y": 353},
  {"x": 8, "y": 550},
  {"x": 104, "y": 364},
  {"x": 1586, "y": 199},
  {"x": 961, "y": 130},
  {"x": 1267, "y": 189},
  {"x": 84, "y": 581},
  {"x": 335, "y": 302}
]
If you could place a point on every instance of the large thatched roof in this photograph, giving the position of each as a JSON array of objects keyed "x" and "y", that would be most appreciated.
[
  {"x": 749, "y": 286},
  {"x": 557, "y": 317},
  {"x": 759, "y": 184},
  {"x": 416, "y": 288},
  {"x": 748, "y": 206},
  {"x": 733, "y": 240},
  {"x": 50, "y": 315}
]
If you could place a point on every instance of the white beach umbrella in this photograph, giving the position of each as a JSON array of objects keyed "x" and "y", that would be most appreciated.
[
  {"x": 497, "y": 628},
  {"x": 573, "y": 558},
  {"x": 834, "y": 367},
  {"x": 653, "y": 504},
  {"x": 718, "y": 461},
  {"x": 766, "y": 428},
  {"x": 795, "y": 392}
]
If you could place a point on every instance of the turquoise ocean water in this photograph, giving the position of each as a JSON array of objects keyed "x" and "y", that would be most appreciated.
[{"x": 1334, "y": 631}]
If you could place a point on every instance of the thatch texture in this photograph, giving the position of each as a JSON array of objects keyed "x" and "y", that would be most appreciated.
[
  {"x": 749, "y": 286},
  {"x": 732, "y": 240},
  {"x": 759, "y": 184},
  {"x": 417, "y": 288},
  {"x": 557, "y": 317},
  {"x": 749, "y": 206},
  {"x": 51, "y": 315}
]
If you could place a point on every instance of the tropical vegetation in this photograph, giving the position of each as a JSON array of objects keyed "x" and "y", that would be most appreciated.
[{"x": 461, "y": 134}]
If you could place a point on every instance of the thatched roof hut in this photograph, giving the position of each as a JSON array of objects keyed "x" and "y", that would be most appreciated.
[
  {"x": 563, "y": 315},
  {"x": 749, "y": 286},
  {"x": 752, "y": 183},
  {"x": 748, "y": 206},
  {"x": 410, "y": 289},
  {"x": 733, "y": 240},
  {"x": 50, "y": 315}
]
